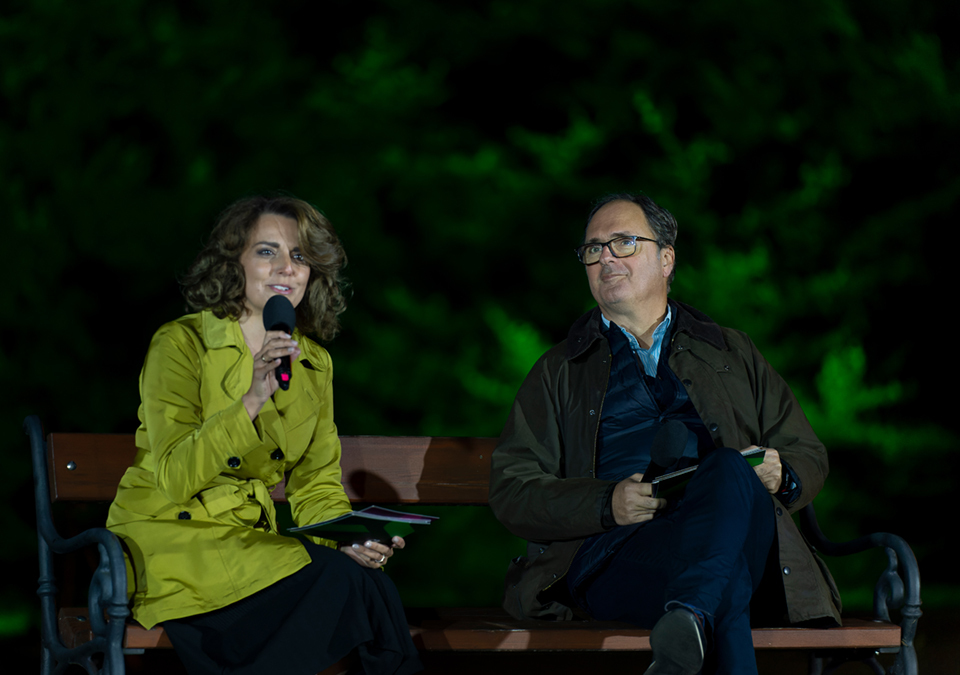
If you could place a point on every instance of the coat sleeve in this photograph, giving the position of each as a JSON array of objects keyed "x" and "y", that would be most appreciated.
[
  {"x": 529, "y": 492},
  {"x": 784, "y": 427},
  {"x": 314, "y": 488},
  {"x": 188, "y": 448}
]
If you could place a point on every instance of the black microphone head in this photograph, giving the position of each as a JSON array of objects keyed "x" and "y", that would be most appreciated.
[
  {"x": 279, "y": 314},
  {"x": 668, "y": 443}
]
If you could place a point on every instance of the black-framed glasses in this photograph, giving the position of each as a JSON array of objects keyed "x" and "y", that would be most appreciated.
[{"x": 621, "y": 247}]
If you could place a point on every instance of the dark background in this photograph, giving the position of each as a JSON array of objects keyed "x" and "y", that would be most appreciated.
[{"x": 808, "y": 150}]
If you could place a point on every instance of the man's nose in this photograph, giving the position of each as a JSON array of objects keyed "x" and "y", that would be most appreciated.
[{"x": 606, "y": 253}]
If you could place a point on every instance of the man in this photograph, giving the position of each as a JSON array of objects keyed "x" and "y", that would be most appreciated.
[{"x": 566, "y": 474}]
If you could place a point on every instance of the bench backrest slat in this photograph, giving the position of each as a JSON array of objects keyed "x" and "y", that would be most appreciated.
[{"x": 376, "y": 469}]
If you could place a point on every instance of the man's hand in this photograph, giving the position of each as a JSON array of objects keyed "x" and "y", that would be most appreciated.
[
  {"x": 771, "y": 471},
  {"x": 632, "y": 501}
]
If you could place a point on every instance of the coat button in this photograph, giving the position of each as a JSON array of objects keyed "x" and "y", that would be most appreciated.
[
  {"x": 277, "y": 454},
  {"x": 786, "y": 570},
  {"x": 779, "y": 511},
  {"x": 687, "y": 383},
  {"x": 184, "y": 515},
  {"x": 714, "y": 426},
  {"x": 234, "y": 462}
]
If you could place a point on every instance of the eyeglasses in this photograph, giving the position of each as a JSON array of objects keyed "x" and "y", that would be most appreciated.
[{"x": 621, "y": 247}]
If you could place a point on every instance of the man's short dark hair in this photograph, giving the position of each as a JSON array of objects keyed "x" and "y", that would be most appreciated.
[{"x": 661, "y": 221}]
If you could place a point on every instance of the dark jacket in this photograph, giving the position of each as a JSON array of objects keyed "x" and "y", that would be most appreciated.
[{"x": 542, "y": 484}]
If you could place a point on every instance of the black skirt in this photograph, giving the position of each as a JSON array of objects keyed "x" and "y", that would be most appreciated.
[{"x": 303, "y": 624}]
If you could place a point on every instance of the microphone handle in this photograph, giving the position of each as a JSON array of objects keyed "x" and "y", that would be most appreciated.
[{"x": 283, "y": 373}]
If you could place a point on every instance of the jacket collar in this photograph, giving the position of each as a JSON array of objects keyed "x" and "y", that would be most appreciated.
[
  {"x": 586, "y": 330},
  {"x": 225, "y": 332},
  {"x": 219, "y": 333},
  {"x": 698, "y": 325}
]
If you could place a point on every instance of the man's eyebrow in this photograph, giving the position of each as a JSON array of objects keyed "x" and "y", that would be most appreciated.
[{"x": 614, "y": 235}]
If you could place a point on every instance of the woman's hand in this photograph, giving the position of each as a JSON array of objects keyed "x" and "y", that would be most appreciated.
[
  {"x": 275, "y": 344},
  {"x": 373, "y": 554}
]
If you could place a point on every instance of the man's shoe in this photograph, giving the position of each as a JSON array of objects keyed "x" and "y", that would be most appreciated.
[{"x": 678, "y": 644}]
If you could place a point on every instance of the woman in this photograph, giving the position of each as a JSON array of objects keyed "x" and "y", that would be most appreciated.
[{"x": 217, "y": 434}]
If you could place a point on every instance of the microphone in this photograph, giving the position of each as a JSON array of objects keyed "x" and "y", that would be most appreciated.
[
  {"x": 279, "y": 314},
  {"x": 666, "y": 449}
]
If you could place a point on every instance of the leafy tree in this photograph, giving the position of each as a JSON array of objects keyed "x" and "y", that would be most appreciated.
[{"x": 456, "y": 147}]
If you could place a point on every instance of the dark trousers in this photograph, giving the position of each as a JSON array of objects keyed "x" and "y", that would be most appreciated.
[
  {"x": 302, "y": 624},
  {"x": 708, "y": 552}
]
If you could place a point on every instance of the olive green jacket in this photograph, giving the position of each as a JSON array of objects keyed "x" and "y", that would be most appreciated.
[
  {"x": 194, "y": 510},
  {"x": 542, "y": 484}
]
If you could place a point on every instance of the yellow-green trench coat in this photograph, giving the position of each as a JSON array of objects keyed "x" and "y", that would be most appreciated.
[{"x": 194, "y": 510}]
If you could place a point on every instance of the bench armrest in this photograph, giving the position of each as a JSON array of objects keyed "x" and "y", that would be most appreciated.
[
  {"x": 898, "y": 587},
  {"x": 107, "y": 596}
]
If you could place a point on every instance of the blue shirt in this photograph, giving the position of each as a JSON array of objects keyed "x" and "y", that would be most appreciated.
[{"x": 648, "y": 357}]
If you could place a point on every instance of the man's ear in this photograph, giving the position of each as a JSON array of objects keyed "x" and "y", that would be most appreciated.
[{"x": 667, "y": 258}]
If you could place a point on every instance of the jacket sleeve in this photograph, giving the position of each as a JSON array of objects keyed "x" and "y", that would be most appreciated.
[
  {"x": 188, "y": 448},
  {"x": 784, "y": 427},
  {"x": 314, "y": 488},
  {"x": 529, "y": 492}
]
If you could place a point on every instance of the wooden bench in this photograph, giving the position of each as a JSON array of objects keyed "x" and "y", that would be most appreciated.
[{"x": 407, "y": 470}]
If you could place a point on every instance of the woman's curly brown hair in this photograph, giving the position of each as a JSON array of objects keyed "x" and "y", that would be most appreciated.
[{"x": 216, "y": 280}]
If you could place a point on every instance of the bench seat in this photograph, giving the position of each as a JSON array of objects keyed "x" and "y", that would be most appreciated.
[
  {"x": 493, "y": 630},
  {"x": 410, "y": 470}
]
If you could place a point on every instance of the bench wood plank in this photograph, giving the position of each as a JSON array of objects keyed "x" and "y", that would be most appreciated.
[
  {"x": 376, "y": 469},
  {"x": 476, "y": 629}
]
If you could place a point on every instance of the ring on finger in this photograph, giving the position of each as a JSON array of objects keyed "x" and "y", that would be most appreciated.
[
  {"x": 383, "y": 559},
  {"x": 264, "y": 358}
]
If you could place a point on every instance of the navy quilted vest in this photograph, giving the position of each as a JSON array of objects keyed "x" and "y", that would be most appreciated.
[{"x": 634, "y": 408}]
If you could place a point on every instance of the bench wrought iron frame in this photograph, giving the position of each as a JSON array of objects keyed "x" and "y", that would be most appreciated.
[{"x": 407, "y": 470}]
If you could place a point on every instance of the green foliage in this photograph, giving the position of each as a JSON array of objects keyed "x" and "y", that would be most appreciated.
[
  {"x": 456, "y": 147},
  {"x": 14, "y": 621},
  {"x": 520, "y": 345}
]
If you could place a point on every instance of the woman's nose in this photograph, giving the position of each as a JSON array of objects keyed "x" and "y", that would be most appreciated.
[{"x": 284, "y": 264}]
